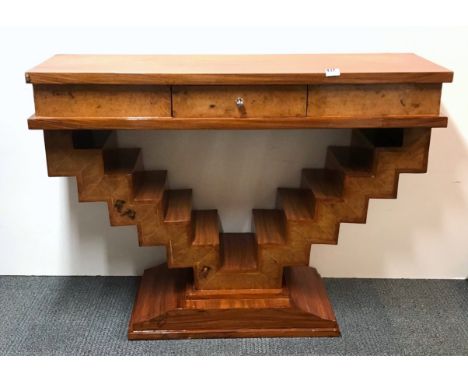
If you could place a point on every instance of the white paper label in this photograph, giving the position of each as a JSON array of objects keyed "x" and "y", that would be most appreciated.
[{"x": 332, "y": 72}]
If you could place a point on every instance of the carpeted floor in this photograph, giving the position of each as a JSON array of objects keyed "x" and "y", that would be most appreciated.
[{"x": 89, "y": 315}]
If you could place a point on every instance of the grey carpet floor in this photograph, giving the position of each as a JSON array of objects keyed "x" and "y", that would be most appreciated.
[{"x": 89, "y": 315}]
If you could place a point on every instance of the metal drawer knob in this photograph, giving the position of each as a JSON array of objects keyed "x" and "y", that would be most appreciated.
[{"x": 240, "y": 102}]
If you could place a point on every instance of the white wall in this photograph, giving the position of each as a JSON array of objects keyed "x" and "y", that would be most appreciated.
[{"x": 43, "y": 229}]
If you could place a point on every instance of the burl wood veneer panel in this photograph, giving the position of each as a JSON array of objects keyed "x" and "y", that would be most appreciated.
[
  {"x": 220, "y": 101},
  {"x": 102, "y": 101},
  {"x": 373, "y": 100}
]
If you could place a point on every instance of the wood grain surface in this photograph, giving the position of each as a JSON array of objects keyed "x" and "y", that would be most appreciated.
[
  {"x": 156, "y": 123},
  {"x": 165, "y": 308},
  {"x": 220, "y": 101},
  {"x": 248, "y": 284},
  {"x": 373, "y": 100},
  {"x": 238, "y": 280},
  {"x": 102, "y": 101},
  {"x": 238, "y": 70},
  {"x": 282, "y": 236}
]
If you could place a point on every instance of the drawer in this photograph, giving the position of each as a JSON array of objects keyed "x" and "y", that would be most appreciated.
[
  {"x": 102, "y": 101},
  {"x": 373, "y": 100},
  {"x": 239, "y": 101}
]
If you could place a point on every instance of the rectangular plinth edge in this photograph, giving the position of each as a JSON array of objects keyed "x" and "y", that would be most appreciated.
[
  {"x": 245, "y": 333},
  {"x": 167, "y": 308},
  {"x": 168, "y": 123}
]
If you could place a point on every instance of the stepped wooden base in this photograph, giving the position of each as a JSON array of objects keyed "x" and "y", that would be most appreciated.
[{"x": 167, "y": 307}]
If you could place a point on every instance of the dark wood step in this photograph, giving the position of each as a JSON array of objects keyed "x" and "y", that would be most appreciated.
[
  {"x": 238, "y": 252},
  {"x": 325, "y": 184},
  {"x": 149, "y": 185},
  {"x": 179, "y": 206},
  {"x": 297, "y": 203},
  {"x": 269, "y": 226},
  {"x": 121, "y": 161},
  {"x": 390, "y": 138},
  {"x": 206, "y": 227},
  {"x": 89, "y": 139},
  {"x": 352, "y": 161}
]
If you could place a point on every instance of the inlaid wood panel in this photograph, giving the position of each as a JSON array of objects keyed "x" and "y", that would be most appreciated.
[
  {"x": 102, "y": 101},
  {"x": 220, "y": 101},
  {"x": 373, "y": 100}
]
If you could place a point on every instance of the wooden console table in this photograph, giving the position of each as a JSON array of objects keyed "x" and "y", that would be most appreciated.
[{"x": 218, "y": 284}]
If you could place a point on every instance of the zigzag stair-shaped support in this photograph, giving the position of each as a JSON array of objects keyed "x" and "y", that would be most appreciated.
[
  {"x": 261, "y": 261},
  {"x": 339, "y": 193}
]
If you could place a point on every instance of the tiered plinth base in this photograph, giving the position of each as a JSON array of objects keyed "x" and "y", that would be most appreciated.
[{"x": 168, "y": 307}]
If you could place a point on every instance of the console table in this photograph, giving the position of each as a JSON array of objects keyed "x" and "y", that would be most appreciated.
[{"x": 223, "y": 284}]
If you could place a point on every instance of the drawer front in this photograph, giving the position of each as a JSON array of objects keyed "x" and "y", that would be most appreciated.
[
  {"x": 239, "y": 101},
  {"x": 102, "y": 101},
  {"x": 373, "y": 100}
]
